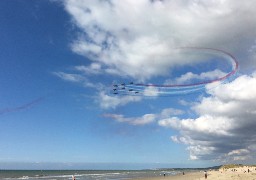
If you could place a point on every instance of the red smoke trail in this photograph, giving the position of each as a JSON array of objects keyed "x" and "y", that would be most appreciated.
[{"x": 19, "y": 108}]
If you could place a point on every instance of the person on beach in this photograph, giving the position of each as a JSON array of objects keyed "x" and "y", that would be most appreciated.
[
  {"x": 73, "y": 177},
  {"x": 205, "y": 174}
]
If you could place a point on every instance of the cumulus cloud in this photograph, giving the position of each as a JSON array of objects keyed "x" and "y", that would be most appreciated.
[
  {"x": 225, "y": 126},
  {"x": 141, "y": 39},
  {"x": 136, "y": 38}
]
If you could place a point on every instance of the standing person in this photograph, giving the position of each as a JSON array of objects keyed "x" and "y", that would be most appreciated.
[
  {"x": 73, "y": 177},
  {"x": 205, "y": 174}
]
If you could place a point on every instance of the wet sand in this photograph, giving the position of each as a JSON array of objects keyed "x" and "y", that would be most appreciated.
[
  {"x": 240, "y": 173},
  {"x": 187, "y": 176}
]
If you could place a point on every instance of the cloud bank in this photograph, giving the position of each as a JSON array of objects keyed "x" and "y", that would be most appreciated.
[
  {"x": 225, "y": 127},
  {"x": 136, "y": 38}
]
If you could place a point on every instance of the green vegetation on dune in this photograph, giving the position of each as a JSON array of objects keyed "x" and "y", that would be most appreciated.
[{"x": 228, "y": 166}]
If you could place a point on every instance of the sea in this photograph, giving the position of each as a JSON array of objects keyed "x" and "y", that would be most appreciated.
[{"x": 84, "y": 174}]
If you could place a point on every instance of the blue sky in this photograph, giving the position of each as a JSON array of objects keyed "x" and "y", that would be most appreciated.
[{"x": 60, "y": 59}]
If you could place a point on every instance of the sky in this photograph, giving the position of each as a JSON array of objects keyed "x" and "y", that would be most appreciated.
[{"x": 62, "y": 59}]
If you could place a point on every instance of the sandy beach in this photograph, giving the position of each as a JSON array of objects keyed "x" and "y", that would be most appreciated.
[{"x": 238, "y": 173}]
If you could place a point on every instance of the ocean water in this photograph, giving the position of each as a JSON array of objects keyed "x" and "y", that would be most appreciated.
[{"x": 82, "y": 174}]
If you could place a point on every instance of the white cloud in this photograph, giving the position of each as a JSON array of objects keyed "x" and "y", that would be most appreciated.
[
  {"x": 167, "y": 112},
  {"x": 103, "y": 99},
  {"x": 94, "y": 68},
  {"x": 185, "y": 103},
  {"x": 225, "y": 127},
  {"x": 239, "y": 152},
  {"x": 151, "y": 91},
  {"x": 69, "y": 77},
  {"x": 111, "y": 102},
  {"x": 146, "y": 118},
  {"x": 136, "y": 38},
  {"x": 211, "y": 75}
]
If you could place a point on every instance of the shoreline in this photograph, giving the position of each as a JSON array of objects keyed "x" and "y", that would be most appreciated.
[
  {"x": 186, "y": 176},
  {"x": 235, "y": 173},
  {"x": 225, "y": 172}
]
